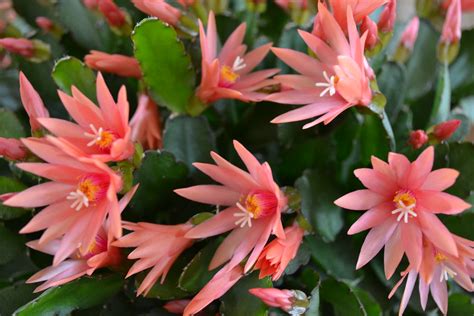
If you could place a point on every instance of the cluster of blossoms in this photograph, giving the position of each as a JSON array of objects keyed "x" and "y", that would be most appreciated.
[{"x": 81, "y": 218}]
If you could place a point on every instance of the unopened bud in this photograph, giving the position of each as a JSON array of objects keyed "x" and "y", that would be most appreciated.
[
  {"x": 407, "y": 41},
  {"x": 448, "y": 47},
  {"x": 417, "y": 139},
  {"x": 443, "y": 131}
]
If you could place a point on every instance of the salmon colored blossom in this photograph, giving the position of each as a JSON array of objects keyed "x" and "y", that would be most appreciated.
[
  {"x": 410, "y": 34},
  {"x": 97, "y": 255},
  {"x": 21, "y": 46},
  {"x": 82, "y": 193},
  {"x": 12, "y": 148},
  {"x": 146, "y": 124},
  {"x": 214, "y": 289},
  {"x": 150, "y": 254},
  {"x": 451, "y": 33},
  {"x": 159, "y": 9},
  {"x": 386, "y": 22},
  {"x": 276, "y": 256},
  {"x": 359, "y": 8},
  {"x": 329, "y": 85},
  {"x": 253, "y": 204},
  {"x": 116, "y": 64},
  {"x": 436, "y": 269},
  {"x": 99, "y": 132},
  {"x": 283, "y": 299},
  {"x": 112, "y": 13},
  {"x": 402, "y": 199},
  {"x": 32, "y": 103},
  {"x": 227, "y": 74},
  {"x": 443, "y": 131}
]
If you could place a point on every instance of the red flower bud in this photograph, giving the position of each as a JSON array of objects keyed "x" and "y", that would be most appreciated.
[
  {"x": 445, "y": 130},
  {"x": 417, "y": 138}
]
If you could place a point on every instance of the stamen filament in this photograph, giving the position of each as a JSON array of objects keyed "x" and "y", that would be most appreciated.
[{"x": 330, "y": 85}]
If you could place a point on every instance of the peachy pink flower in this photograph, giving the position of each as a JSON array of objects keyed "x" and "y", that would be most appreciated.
[
  {"x": 276, "y": 256},
  {"x": 253, "y": 202},
  {"x": 146, "y": 124},
  {"x": 227, "y": 74},
  {"x": 387, "y": 17},
  {"x": 32, "y": 103},
  {"x": 101, "y": 132},
  {"x": 82, "y": 193},
  {"x": 218, "y": 286},
  {"x": 402, "y": 199},
  {"x": 452, "y": 25},
  {"x": 97, "y": 255},
  {"x": 329, "y": 85},
  {"x": 116, "y": 64},
  {"x": 21, "y": 46},
  {"x": 436, "y": 269},
  {"x": 410, "y": 34},
  {"x": 282, "y": 299},
  {"x": 159, "y": 9},
  {"x": 12, "y": 148},
  {"x": 150, "y": 254},
  {"x": 360, "y": 9},
  {"x": 443, "y": 131}
]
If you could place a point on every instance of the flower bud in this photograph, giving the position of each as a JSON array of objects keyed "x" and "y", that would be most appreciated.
[
  {"x": 34, "y": 50},
  {"x": 448, "y": 47},
  {"x": 112, "y": 13},
  {"x": 407, "y": 41},
  {"x": 12, "y": 149},
  {"x": 387, "y": 17},
  {"x": 417, "y": 139},
  {"x": 292, "y": 301},
  {"x": 443, "y": 131},
  {"x": 371, "y": 28},
  {"x": 44, "y": 24},
  {"x": 119, "y": 65}
]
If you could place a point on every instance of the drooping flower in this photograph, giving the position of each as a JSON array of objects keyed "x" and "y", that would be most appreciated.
[
  {"x": 443, "y": 131},
  {"x": 360, "y": 9},
  {"x": 116, "y": 64},
  {"x": 329, "y": 85},
  {"x": 386, "y": 22},
  {"x": 112, "y": 13},
  {"x": 21, "y": 46},
  {"x": 218, "y": 286},
  {"x": 97, "y": 255},
  {"x": 32, "y": 103},
  {"x": 253, "y": 202},
  {"x": 176, "y": 306},
  {"x": 101, "y": 133},
  {"x": 436, "y": 269},
  {"x": 402, "y": 199},
  {"x": 417, "y": 139},
  {"x": 159, "y": 9},
  {"x": 276, "y": 256},
  {"x": 227, "y": 74},
  {"x": 12, "y": 148},
  {"x": 150, "y": 254},
  {"x": 146, "y": 124},
  {"x": 410, "y": 34},
  {"x": 82, "y": 193},
  {"x": 283, "y": 299}
]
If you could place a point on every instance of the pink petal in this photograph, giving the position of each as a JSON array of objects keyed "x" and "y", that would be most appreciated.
[
  {"x": 376, "y": 181},
  {"x": 40, "y": 195},
  {"x": 83, "y": 113},
  {"x": 301, "y": 62},
  {"x": 408, "y": 290},
  {"x": 437, "y": 233},
  {"x": 309, "y": 111},
  {"x": 236, "y": 180},
  {"x": 250, "y": 81},
  {"x": 62, "y": 128},
  {"x": 441, "y": 202},
  {"x": 325, "y": 53},
  {"x": 440, "y": 180},
  {"x": 252, "y": 164},
  {"x": 228, "y": 51},
  {"x": 423, "y": 289},
  {"x": 227, "y": 248},
  {"x": 373, "y": 217},
  {"x": 300, "y": 96},
  {"x": 54, "y": 213},
  {"x": 421, "y": 168},
  {"x": 393, "y": 253},
  {"x": 335, "y": 35},
  {"x": 110, "y": 113},
  {"x": 412, "y": 242},
  {"x": 53, "y": 172},
  {"x": 439, "y": 292},
  {"x": 210, "y": 194},
  {"x": 400, "y": 166},
  {"x": 253, "y": 58},
  {"x": 220, "y": 223},
  {"x": 360, "y": 200}
]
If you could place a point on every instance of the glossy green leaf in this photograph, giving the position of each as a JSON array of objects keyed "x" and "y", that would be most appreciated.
[
  {"x": 10, "y": 125},
  {"x": 11, "y": 245},
  {"x": 14, "y": 296},
  {"x": 314, "y": 303},
  {"x": 70, "y": 71},
  {"x": 342, "y": 298},
  {"x": 166, "y": 67},
  {"x": 158, "y": 176},
  {"x": 79, "y": 294},
  {"x": 462, "y": 80},
  {"x": 318, "y": 204},
  {"x": 391, "y": 82},
  {"x": 9, "y": 90},
  {"x": 238, "y": 301},
  {"x": 371, "y": 306},
  {"x": 190, "y": 139},
  {"x": 460, "y": 305},
  {"x": 374, "y": 140},
  {"x": 442, "y": 103},
  {"x": 31, "y": 9},
  {"x": 8, "y": 185}
]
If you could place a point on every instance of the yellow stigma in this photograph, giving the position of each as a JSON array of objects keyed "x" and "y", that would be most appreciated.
[
  {"x": 89, "y": 188},
  {"x": 439, "y": 257},
  {"x": 106, "y": 139},
  {"x": 405, "y": 198},
  {"x": 251, "y": 204},
  {"x": 228, "y": 76}
]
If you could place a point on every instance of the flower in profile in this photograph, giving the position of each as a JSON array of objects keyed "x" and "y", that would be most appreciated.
[
  {"x": 159, "y": 9},
  {"x": 101, "y": 132},
  {"x": 292, "y": 301},
  {"x": 227, "y": 74},
  {"x": 176, "y": 306},
  {"x": 20, "y": 46},
  {"x": 82, "y": 193},
  {"x": 331, "y": 84},
  {"x": 146, "y": 124},
  {"x": 32, "y": 103},
  {"x": 452, "y": 25},
  {"x": 218, "y": 286},
  {"x": 436, "y": 269},
  {"x": 402, "y": 199},
  {"x": 112, "y": 13},
  {"x": 253, "y": 202},
  {"x": 417, "y": 139},
  {"x": 116, "y": 64},
  {"x": 276, "y": 256},
  {"x": 12, "y": 148},
  {"x": 386, "y": 22},
  {"x": 157, "y": 256},
  {"x": 359, "y": 8},
  {"x": 371, "y": 28},
  {"x": 97, "y": 255},
  {"x": 443, "y": 131},
  {"x": 410, "y": 34}
]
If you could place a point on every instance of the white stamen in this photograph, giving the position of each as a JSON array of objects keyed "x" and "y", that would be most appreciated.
[
  {"x": 404, "y": 211},
  {"x": 96, "y": 137},
  {"x": 330, "y": 85},
  {"x": 79, "y": 199},
  {"x": 446, "y": 273},
  {"x": 245, "y": 217},
  {"x": 239, "y": 64}
]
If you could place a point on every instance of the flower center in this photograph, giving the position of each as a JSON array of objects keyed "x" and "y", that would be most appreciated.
[
  {"x": 97, "y": 246},
  {"x": 255, "y": 205},
  {"x": 100, "y": 137},
  {"x": 228, "y": 77},
  {"x": 405, "y": 204},
  {"x": 446, "y": 271},
  {"x": 90, "y": 189},
  {"x": 330, "y": 84}
]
